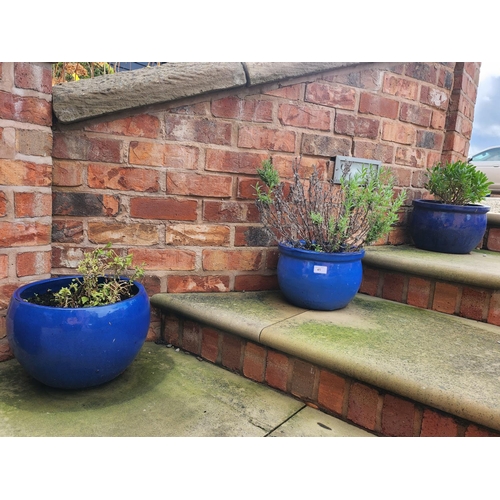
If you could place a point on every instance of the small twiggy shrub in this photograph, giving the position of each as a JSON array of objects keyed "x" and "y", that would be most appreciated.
[
  {"x": 322, "y": 216},
  {"x": 103, "y": 281},
  {"x": 457, "y": 183}
]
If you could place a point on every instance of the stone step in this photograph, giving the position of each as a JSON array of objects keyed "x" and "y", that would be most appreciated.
[
  {"x": 462, "y": 285},
  {"x": 390, "y": 368}
]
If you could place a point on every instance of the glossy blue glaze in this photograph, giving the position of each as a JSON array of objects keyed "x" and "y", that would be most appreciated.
[
  {"x": 439, "y": 227},
  {"x": 74, "y": 348},
  {"x": 319, "y": 281}
]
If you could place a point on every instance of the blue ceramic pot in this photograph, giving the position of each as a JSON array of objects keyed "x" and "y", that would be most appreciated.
[
  {"x": 439, "y": 227},
  {"x": 317, "y": 280},
  {"x": 74, "y": 348}
]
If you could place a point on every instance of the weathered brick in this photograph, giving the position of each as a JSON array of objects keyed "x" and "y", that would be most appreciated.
[
  {"x": 22, "y": 173},
  {"x": 80, "y": 147},
  {"x": 210, "y": 344},
  {"x": 172, "y": 327},
  {"x": 67, "y": 231},
  {"x": 159, "y": 259},
  {"x": 254, "y": 137},
  {"x": 250, "y": 110},
  {"x": 68, "y": 173},
  {"x": 193, "y": 184},
  {"x": 378, "y": 105},
  {"x": 255, "y": 282},
  {"x": 398, "y": 132},
  {"x": 34, "y": 142},
  {"x": 445, "y": 298},
  {"x": 368, "y": 79},
  {"x": 332, "y": 95},
  {"x": 252, "y": 236},
  {"x": 494, "y": 309},
  {"x": 400, "y": 87},
  {"x": 231, "y": 352},
  {"x": 191, "y": 337},
  {"x": 438, "y": 119},
  {"x": 455, "y": 142},
  {"x": 429, "y": 140},
  {"x": 398, "y": 417},
  {"x": 305, "y": 116},
  {"x": 102, "y": 176},
  {"x": 331, "y": 391},
  {"x": 17, "y": 234},
  {"x": 83, "y": 204},
  {"x": 197, "y": 235},
  {"x": 369, "y": 284},
  {"x": 277, "y": 370},
  {"x": 393, "y": 287},
  {"x": 325, "y": 145},
  {"x": 303, "y": 380},
  {"x": 434, "y": 97},
  {"x": 3, "y": 204},
  {"x": 33, "y": 263},
  {"x": 204, "y": 130},
  {"x": 306, "y": 166},
  {"x": 363, "y": 404},
  {"x": 234, "y": 162},
  {"x": 474, "y": 303},
  {"x": 254, "y": 362},
  {"x": 435, "y": 424},
  {"x": 33, "y": 76},
  {"x": 32, "y": 204},
  {"x": 163, "y": 208},
  {"x": 246, "y": 188},
  {"x": 422, "y": 71},
  {"x": 4, "y": 270},
  {"x": 25, "y": 109},
  {"x": 291, "y": 92},
  {"x": 493, "y": 242},
  {"x": 374, "y": 151},
  {"x": 230, "y": 211},
  {"x": 419, "y": 291},
  {"x": 136, "y": 126},
  {"x": 358, "y": 126},
  {"x": 159, "y": 155},
  {"x": 186, "y": 284},
  {"x": 240, "y": 260},
  {"x": 411, "y": 157},
  {"x": 7, "y": 142},
  {"x": 66, "y": 257},
  {"x": 197, "y": 109},
  {"x": 415, "y": 114},
  {"x": 123, "y": 233}
]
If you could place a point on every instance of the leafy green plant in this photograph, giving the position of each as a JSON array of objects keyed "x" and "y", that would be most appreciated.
[
  {"x": 457, "y": 183},
  {"x": 102, "y": 282},
  {"x": 322, "y": 216}
]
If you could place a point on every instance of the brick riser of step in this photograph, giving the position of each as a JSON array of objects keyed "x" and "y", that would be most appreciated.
[
  {"x": 356, "y": 402},
  {"x": 477, "y": 303}
]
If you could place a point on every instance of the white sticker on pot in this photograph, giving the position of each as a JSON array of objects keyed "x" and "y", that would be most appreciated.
[{"x": 320, "y": 269}]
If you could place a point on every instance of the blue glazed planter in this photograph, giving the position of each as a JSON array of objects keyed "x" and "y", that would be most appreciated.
[
  {"x": 74, "y": 348},
  {"x": 319, "y": 281},
  {"x": 439, "y": 227}
]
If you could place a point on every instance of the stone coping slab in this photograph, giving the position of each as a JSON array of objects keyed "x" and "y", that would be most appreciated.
[
  {"x": 480, "y": 268},
  {"x": 446, "y": 362}
]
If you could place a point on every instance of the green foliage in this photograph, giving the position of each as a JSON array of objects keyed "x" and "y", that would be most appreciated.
[
  {"x": 319, "y": 215},
  {"x": 457, "y": 183},
  {"x": 102, "y": 281}
]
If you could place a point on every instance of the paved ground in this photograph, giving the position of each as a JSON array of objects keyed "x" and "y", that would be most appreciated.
[{"x": 163, "y": 393}]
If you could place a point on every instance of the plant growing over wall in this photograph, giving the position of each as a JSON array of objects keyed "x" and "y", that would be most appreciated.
[
  {"x": 326, "y": 217},
  {"x": 457, "y": 183}
]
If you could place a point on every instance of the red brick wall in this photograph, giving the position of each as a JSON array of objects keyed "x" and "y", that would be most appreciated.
[
  {"x": 174, "y": 184},
  {"x": 25, "y": 179}
]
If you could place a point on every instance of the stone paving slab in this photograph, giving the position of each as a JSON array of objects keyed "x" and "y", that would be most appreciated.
[{"x": 163, "y": 393}]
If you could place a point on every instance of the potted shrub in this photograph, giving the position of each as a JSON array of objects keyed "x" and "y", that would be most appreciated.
[
  {"x": 80, "y": 331},
  {"x": 321, "y": 229},
  {"x": 455, "y": 222}
]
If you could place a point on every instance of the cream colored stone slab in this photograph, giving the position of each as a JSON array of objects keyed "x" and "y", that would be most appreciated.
[
  {"x": 447, "y": 362},
  {"x": 479, "y": 268},
  {"x": 163, "y": 393},
  {"x": 310, "y": 422},
  {"x": 244, "y": 314}
]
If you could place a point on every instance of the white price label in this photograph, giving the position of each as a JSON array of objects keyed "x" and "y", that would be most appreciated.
[{"x": 319, "y": 269}]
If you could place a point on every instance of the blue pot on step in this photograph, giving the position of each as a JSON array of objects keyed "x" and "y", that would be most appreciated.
[
  {"x": 440, "y": 227},
  {"x": 75, "y": 348},
  {"x": 317, "y": 280}
]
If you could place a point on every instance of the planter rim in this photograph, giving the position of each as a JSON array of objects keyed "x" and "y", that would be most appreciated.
[
  {"x": 445, "y": 207},
  {"x": 321, "y": 256},
  {"x": 49, "y": 281}
]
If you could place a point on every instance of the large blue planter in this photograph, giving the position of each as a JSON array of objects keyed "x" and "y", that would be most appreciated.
[
  {"x": 320, "y": 281},
  {"x": 439, "y": 227},
  {"x": 74, "y": 348}
]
